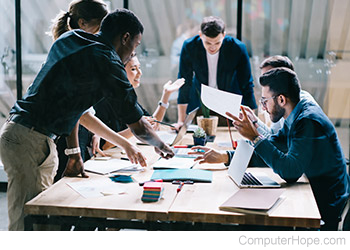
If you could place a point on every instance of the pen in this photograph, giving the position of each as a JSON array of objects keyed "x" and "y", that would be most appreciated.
[
  {"x": 183, "y": 146},
  {"x": 164, "y": 123},
  {"x": 179, "y": 187}
]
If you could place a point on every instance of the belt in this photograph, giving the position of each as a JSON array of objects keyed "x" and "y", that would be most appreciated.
[{"x": 20, "y": 120}]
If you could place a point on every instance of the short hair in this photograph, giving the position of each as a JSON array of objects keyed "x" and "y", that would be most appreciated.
[
  {"x": 212, "y": 26},
  {"x": 282, "y": 81},
  {"x": 277, "y": 61},
  {"x": 119, "y": 22}
]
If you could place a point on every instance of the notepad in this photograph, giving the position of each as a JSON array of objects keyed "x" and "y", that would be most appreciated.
[
  {"x": 196, "y": 175},
  {"x": 175, "y": 162},
  {"x": 109, "y": 166},
  {"x": 253, "y": 201}
]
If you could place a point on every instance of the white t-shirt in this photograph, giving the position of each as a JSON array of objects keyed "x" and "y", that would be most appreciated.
[{"x": 212, "y": 69}]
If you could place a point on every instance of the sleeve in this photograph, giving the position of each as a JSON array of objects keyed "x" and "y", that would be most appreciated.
[
  {"x": 291, "y": 162},
  {"x": 245, "y": 79},
  {"x": 120, "y": 93},
  {"x": 186, "y": 72}
]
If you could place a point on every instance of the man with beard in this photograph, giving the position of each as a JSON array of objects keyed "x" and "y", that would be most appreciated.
[{"x": 307, "y": 144}]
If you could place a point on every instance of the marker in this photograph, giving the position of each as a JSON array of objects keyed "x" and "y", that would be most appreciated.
[
  {"x": 183, "y": 146},
  {"x": 179, "y": 187}
]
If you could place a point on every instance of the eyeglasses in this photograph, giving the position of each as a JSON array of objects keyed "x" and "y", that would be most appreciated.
[{"x": 263, "y": 100}]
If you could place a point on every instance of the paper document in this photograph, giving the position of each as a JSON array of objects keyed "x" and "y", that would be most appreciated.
[
  {"x": 175, "y": 162},
  {"x": 96, "y": 188},
  {"x": 221, "y": 101},
  {"x": 108, "y": 166}
]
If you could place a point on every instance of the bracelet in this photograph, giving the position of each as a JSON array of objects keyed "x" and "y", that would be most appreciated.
[
  {"x": 164, "y": 105},
  {"x": 72, "y": 151},
  {"x": 254, "y": 122}
]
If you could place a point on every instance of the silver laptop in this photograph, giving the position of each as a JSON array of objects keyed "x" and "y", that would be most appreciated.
[
  {"x": 239, "y": 164},
  {"x": 173, "y": 138}
]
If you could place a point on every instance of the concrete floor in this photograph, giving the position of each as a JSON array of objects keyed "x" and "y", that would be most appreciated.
[{"x": 343, "y": 134}]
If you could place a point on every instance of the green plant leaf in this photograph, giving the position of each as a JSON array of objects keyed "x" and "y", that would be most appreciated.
[{"x": 205, "y": 109}]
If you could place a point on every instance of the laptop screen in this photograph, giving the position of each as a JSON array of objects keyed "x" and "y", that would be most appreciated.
[
  {"x": 240, "y": 161},
  {"x": 184, "y": 127}
]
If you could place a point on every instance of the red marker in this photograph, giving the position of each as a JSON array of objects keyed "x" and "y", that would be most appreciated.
[
  {"x": 183, "y": 146},
  {"x": 180, "y": 187}
]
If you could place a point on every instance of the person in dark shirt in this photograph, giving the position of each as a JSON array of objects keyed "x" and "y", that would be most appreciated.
[{"x": 81, "y": 69}]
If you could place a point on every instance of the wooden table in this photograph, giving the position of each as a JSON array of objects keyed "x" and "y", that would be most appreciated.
[{"x": 197, "y": 203}]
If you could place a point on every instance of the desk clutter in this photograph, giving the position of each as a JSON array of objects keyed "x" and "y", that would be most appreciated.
[{"x": 152, "y": 191}]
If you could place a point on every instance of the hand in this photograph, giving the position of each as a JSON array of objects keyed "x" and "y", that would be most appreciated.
[
  {"x": 250, "y": 114},
  {"x": 244, "y": 126},
  {"x": 173, "y": 86},
  {"x": 75, "y": 166},
  {"x": 209, "y": 155},
  {"x": 177, "y": 126},
  {"x": 95, "y": 144},
  {"x": 135, "y": 155},
  {"x": 155, "y": 125},
  {"x": 165, "y": 152}
]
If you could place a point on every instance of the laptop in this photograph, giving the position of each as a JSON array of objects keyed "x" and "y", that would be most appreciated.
[
  {"x": 173, "y": 138},
  {"x": 238, "y": 166}
]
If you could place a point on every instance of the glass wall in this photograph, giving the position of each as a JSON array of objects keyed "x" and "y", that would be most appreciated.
[
  {"x": 313, "y": 34},
  {"x": 7, "y": 58},
  {"x": 168, "y": 24}
]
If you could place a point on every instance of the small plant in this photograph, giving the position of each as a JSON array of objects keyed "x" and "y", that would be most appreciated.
[{"x": 199, "y": 133}]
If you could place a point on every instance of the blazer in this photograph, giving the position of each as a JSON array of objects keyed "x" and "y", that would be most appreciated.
[{"x": 233, "y": 71}]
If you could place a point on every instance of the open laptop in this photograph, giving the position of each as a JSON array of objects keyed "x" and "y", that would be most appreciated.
[
  {"x": 173, "y": 138},
  {"x": 239, "y": 164}
]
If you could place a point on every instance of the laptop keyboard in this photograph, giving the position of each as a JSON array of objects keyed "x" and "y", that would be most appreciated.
[{"x": 249, "y": 179}]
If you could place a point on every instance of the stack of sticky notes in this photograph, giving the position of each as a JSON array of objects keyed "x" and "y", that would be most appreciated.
[{"x": 152, "y": 191}]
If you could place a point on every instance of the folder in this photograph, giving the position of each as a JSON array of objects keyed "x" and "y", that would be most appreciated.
[
  {"x": 195, "y": 175},
  {"x": 253, "y": 201}
]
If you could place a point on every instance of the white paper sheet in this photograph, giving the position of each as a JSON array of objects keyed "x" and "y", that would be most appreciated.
[
  {"x": 109, "y": 166},
  {"x": 175, "y": 162},
  {"x": 221, "y": 101},
  {"x": 96, "y": 188}
]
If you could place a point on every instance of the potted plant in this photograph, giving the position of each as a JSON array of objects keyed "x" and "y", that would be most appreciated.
[
  {"x": 206, "y": 121},
  {"x": 199, "y": 137}
]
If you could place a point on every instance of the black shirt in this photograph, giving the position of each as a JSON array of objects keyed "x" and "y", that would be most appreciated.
[{"x": 81, "y": 69}]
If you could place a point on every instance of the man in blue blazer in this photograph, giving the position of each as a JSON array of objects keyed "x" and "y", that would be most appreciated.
[{"x": 216, "y": 60}]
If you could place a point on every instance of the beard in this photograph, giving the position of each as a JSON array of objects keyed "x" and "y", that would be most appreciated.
[{"x": 277, "y": 113}]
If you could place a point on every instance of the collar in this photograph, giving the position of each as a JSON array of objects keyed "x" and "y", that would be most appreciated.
[{"x": 293, "y": 115}]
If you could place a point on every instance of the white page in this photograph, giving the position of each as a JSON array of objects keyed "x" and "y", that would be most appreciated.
[
  {"x": 96, "y": 188},
  {"x": 175, "y": 162},
  {"x": 221, "y": 101},
  {"x": 105, "y": 167}
]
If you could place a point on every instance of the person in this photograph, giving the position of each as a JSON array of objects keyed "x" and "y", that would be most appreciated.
[
  {"x": 270, "y": 63},
  {"x": 80, "y": 70},
  {"x": 105, "y": 113},
  {"x": 86, "y": 15},
  {"x": 216, "y": 60},
  {"x": 307, "y": 144}
]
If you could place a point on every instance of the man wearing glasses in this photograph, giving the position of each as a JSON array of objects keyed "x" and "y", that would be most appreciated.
[{"x": 307, "y": 144}]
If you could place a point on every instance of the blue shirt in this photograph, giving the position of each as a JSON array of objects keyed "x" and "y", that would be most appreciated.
[
  {"x": 233, "y": 71},
  {"x": 308, "y": 144},
  {"x": 81, "y": 69}
]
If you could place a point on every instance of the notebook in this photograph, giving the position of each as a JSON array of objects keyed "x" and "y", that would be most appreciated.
[
  {"x": 238, "y": 166},
  {"x": 253, "y": 201}
]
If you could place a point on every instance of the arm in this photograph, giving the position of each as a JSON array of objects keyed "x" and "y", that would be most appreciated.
[
  {"x": 75, "y": 165},
  {"x": 95, "y": 125},
  {"x": 245, "y": 79},
  {"x": 142, "y": 129},
  {"x": 168, "y": 89},
  {"x": 186, "y": 72}
]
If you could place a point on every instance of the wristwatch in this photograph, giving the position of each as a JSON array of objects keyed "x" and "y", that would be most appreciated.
[
  {"x": 165, "y": 105},
  {"x": 72, "y": 151},
  {"x": 257, "y": 139}
]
